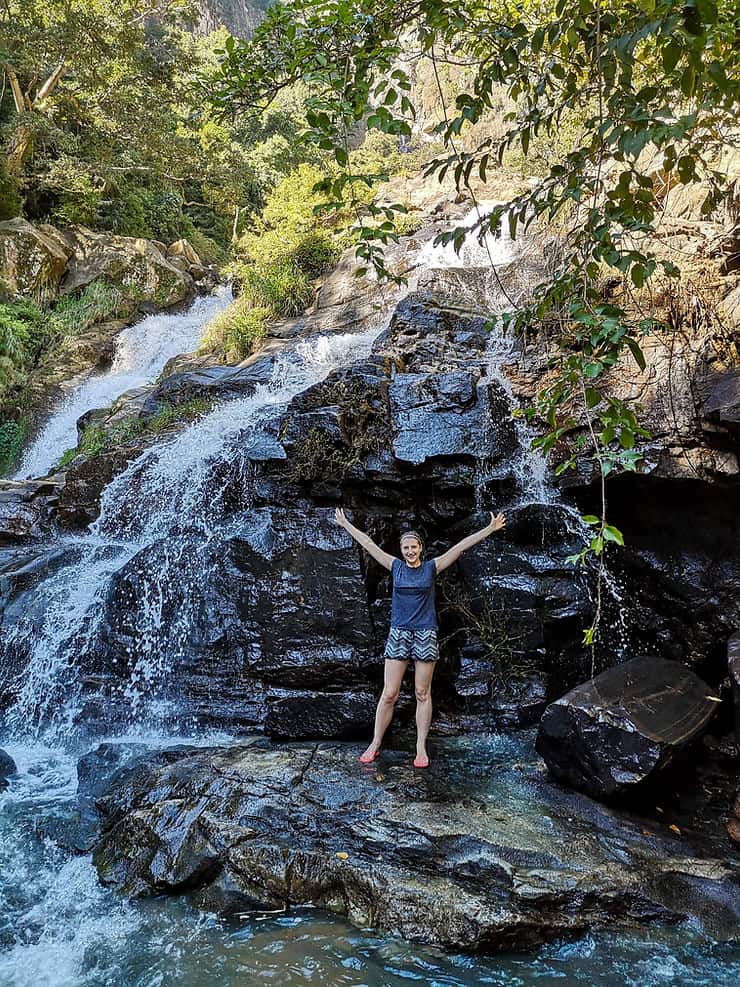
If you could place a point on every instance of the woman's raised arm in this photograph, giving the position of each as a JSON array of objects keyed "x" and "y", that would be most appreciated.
[
  {"x": 454, "y": 553},
  {"x": 364, "y": 540}
]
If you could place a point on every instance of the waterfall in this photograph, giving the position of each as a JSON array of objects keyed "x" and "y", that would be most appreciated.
[
  {"x": 476, "y": 252},
  {"x": 142, "y": 350},
  {"x": 171, "y": 494}
]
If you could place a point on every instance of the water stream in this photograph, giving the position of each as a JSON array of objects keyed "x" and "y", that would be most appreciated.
[{"x": 142, "y": 350}]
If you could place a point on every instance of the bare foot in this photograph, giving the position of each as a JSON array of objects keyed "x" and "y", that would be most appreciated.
[
  {"x": 421, "y": 761},
  {"x": 370, "y": 754}
]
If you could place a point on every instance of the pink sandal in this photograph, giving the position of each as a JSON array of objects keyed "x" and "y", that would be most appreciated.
[
  {"x": 368, "y": 758},
  {"x": 421, "y": 761}
]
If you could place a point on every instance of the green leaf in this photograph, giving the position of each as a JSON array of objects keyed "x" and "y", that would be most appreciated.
[
  {"x": 592, "y": 397},
  {"x": 636, "y": 352},
  {"x": 670, "y": 56},
  {"x": 589, "y": 519},
  {"x": 613, "y": 534}
]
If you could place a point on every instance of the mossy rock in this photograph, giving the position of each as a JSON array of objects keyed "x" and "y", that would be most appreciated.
[{"x": 32, "y": 261}]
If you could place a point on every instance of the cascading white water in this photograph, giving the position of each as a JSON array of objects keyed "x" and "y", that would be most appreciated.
[
  {"x": 485, "y": 254},
  {"x": 476, "y": 252},
  {"x": 173, "y": 488},
  {"x": 533, "y": 479},
  {"x": 142, "y": 350}
]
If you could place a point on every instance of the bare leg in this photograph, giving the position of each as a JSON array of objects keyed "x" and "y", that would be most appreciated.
[
  {"x": 423, "y": 672},
  {"x": 394, "y": 672}
]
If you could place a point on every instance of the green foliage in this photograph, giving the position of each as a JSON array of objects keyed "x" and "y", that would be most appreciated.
[
  {"x": 109, "y": 127},
  {"x": 12, "y": 435},
  {"x": 314, "y": 253},
  {"x": 208, "y": 249},
  {"x": 10, "y": 200},
  {"x": 96, "y": 439},
  {"x": 236, "y": 332},
  {"x": 280, "y": 287},
  {"x": 25, "y": 331},
  {"x": 97, "y": 302},
  {"x": 383, "y": 154}
]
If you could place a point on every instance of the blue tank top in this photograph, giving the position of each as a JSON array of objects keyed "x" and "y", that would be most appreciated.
[{"x": 412, "y": 607}]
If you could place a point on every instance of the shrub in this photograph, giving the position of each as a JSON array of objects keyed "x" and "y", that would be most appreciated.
[
  {"x": 237, "y": 331},
  {"x": 280, "y": 287},
  {"x": 97, "y": 302},
  {"x": 79, "y": 195},
  {"x": 10, "y": 199},
  {"x": 25, "y": 331},
  {"x": 315, "y": 253},
  {"x": 208, "y": 249},
  {"x": 408, "y": 223},
  {"x": 96, "y": 438},
  {"x": 12, "y": 435}
]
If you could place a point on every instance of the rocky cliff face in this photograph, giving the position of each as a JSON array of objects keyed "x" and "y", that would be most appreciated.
[{"x": 240, "y": 17}]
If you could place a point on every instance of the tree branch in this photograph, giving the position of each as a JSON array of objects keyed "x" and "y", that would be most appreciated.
[
  {"x": 15, "y": 88},
  {"x": 50, "y": 85}
]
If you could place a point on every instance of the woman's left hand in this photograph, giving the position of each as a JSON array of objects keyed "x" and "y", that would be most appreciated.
[{"x": 498, "y": 521}]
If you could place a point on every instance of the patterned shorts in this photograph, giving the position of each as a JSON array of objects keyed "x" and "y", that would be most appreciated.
[{"x": 412, "y": 645}]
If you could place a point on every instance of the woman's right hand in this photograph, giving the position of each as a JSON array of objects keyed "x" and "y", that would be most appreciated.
[{"x": 340, "y": 518}]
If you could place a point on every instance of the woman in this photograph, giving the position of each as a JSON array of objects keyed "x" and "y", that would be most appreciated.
[{"x": 413, "y": 635}]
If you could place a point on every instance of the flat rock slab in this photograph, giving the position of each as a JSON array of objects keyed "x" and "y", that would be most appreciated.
[
  {"x": 616, "y": 731},
  {"x": 480, "y": 852}
]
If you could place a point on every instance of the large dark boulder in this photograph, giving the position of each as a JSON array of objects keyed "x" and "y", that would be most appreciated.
[
  {"x": 211, "y": 383},
  {"x": 310, "y": 715},
  {"x": 449, "y": 414},
  {"x": 7, "y": 768},
  {"x": 619, "y": 730},
  {"x": 248, "y": 625},
  {"x": 439, "y": 857}
]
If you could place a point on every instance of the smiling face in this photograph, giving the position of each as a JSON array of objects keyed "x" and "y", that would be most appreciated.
[{"x": 411, "y": 550}]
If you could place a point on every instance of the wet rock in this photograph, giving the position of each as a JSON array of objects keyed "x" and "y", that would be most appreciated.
[
  {"x": 254, "y": 623},
  {"x": 733, "y": 667},
  {"x": 516, "y": 595},
  {"x": 85, "y": 480},
  {"x": 7, "y": 769},
  {"x": 26, "y": 508},
  {"x": 495, "y": 697},
  {"x": 733, "y": 823},
  {"x": 32, "y": 260},
  {"x": 436, "y": 858},
  {"x": 453, "y": 414},
  {"x": 622, "y": 728},
  {"x": 679, "y": 573},
  {"x": 723, "y": 401},
  {"x": 313, "y": 715},
  {"x": 213, "y": 382}
]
